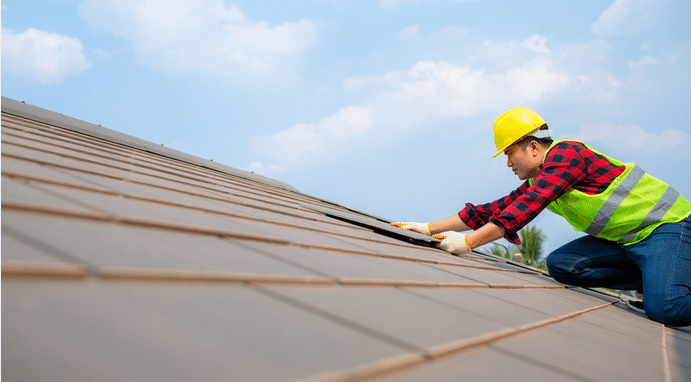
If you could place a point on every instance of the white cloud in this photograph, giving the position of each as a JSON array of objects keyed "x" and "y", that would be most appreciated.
[
  {"x": 658, "y": 28},
  {"x": 389, "y": 4},
  {"x": 104, "y": 55},
  {"x": 477, "y": 80},
  {"x": 410, "y": 34},
  {"x": 304, "y": 143},
  {"x": 434, "y": 90},
  {"x": 643, "y": 62},
  {"x": 629, "y": 17},
  {"x": 640, "y": 70},
  {"x": 634, "y": 139},
  {"x": 40, "y": 56},
  {"x": 204, "y": 35},
  {"x": 260, "y": 168},
  {"x": 460, "y": 45},
  {"x": 423, "y": 95},
  {"x": 536, "y": 43}
]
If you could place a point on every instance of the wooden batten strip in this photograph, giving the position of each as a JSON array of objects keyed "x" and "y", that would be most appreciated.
[{"x": 30, "y": 270}]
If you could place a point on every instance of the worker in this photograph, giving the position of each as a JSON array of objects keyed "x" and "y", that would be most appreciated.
[{"x": 638, "y": 227}]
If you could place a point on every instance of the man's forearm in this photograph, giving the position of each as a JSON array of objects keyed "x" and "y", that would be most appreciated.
[
  {"x": 452, "y": 223},
  {"x": 485, "y": 234}
]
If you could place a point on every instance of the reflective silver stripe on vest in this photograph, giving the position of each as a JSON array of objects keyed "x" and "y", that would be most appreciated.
[
  {"x": 655, "y": 215},
  {"x": 613, "y": 201}
]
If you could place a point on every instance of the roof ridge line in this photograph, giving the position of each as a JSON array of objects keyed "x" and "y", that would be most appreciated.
[{"x": 35, "y": 113}]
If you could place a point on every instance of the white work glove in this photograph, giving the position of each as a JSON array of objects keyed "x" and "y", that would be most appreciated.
[
  {"x": 454, "y": 242},
  {"x": 422, "y": 228}
]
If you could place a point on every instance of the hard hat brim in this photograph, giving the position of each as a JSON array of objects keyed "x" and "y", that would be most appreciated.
[{"x": 537, "y": 133}]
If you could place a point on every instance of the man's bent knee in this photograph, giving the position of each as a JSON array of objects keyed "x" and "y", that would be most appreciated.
[
  {"x": 559, "y": 269},
  {"x": 672, "y": 312}
]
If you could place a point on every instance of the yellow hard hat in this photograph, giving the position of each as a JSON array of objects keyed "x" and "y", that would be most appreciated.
[{"x": 514, "y": 125}]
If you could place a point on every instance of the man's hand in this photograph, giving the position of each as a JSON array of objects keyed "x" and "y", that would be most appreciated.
[
  {"x": 453, "y": 242},
  {"x": 422, "y": 228}
]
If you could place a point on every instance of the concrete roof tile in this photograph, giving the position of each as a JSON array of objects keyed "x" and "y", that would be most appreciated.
[
  {"x": 106, "y": 245},
  {"x": 155, "y": 332},
  {"x": 590, "y": 351},
  {"x": 483, "y": 365}
]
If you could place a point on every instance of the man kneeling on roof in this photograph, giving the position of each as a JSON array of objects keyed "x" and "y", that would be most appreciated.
[{"x": 639, "y": 229}]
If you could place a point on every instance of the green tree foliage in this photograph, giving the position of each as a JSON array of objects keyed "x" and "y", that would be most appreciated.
[
  {"x": 531, "y": 244},
  {"x": 530, "y": 248},
  {"x": 504, "y": 251},
  {"x": 498, "y": 251}
]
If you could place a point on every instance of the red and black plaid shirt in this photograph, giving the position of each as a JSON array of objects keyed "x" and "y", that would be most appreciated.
[{"x": 567, "y": 165}]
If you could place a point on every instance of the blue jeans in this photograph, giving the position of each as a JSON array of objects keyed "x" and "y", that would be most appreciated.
[{"x": 659, "y": 267}]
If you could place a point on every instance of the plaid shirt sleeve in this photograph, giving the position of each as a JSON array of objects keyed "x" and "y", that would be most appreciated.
[
  {"x": 477, "y": 216},
  {"x": 567, "y": 165}
]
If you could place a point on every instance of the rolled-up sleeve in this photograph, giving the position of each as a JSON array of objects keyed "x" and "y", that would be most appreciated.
[{"x": 476, "y": 216}]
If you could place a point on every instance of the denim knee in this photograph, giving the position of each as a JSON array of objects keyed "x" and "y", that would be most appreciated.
[
  {"x": 556, "y": 269},
  {"x": 672, "y": 312}
]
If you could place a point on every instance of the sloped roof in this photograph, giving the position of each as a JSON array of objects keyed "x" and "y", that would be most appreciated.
[{"x": 125, "y": 260}]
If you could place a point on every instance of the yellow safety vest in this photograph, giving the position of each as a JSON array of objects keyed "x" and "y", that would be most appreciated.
[{"x": 631, "y": 207}]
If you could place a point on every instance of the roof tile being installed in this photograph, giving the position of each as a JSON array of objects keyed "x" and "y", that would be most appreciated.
[{"x": 125, "y": 260}]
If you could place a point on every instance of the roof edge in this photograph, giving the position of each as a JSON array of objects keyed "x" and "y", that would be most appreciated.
[{"x": 36, "y": 113}]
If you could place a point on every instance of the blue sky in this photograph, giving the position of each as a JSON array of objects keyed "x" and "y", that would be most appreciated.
[{"x": 385, "y": 106}]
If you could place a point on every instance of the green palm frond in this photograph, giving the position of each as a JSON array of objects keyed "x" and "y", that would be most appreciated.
[{"x": 531, "y": 243}]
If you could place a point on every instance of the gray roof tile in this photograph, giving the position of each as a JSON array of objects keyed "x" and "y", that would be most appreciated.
[
  {"x": 161, "y": 332},
  {"x": 590, "y": 351}
]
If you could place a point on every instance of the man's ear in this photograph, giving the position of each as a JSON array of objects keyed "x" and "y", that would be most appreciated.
[{"x": 534, "y": 147}]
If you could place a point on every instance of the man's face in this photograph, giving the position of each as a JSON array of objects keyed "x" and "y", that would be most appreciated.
[{"x": 524, "y": 160}]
